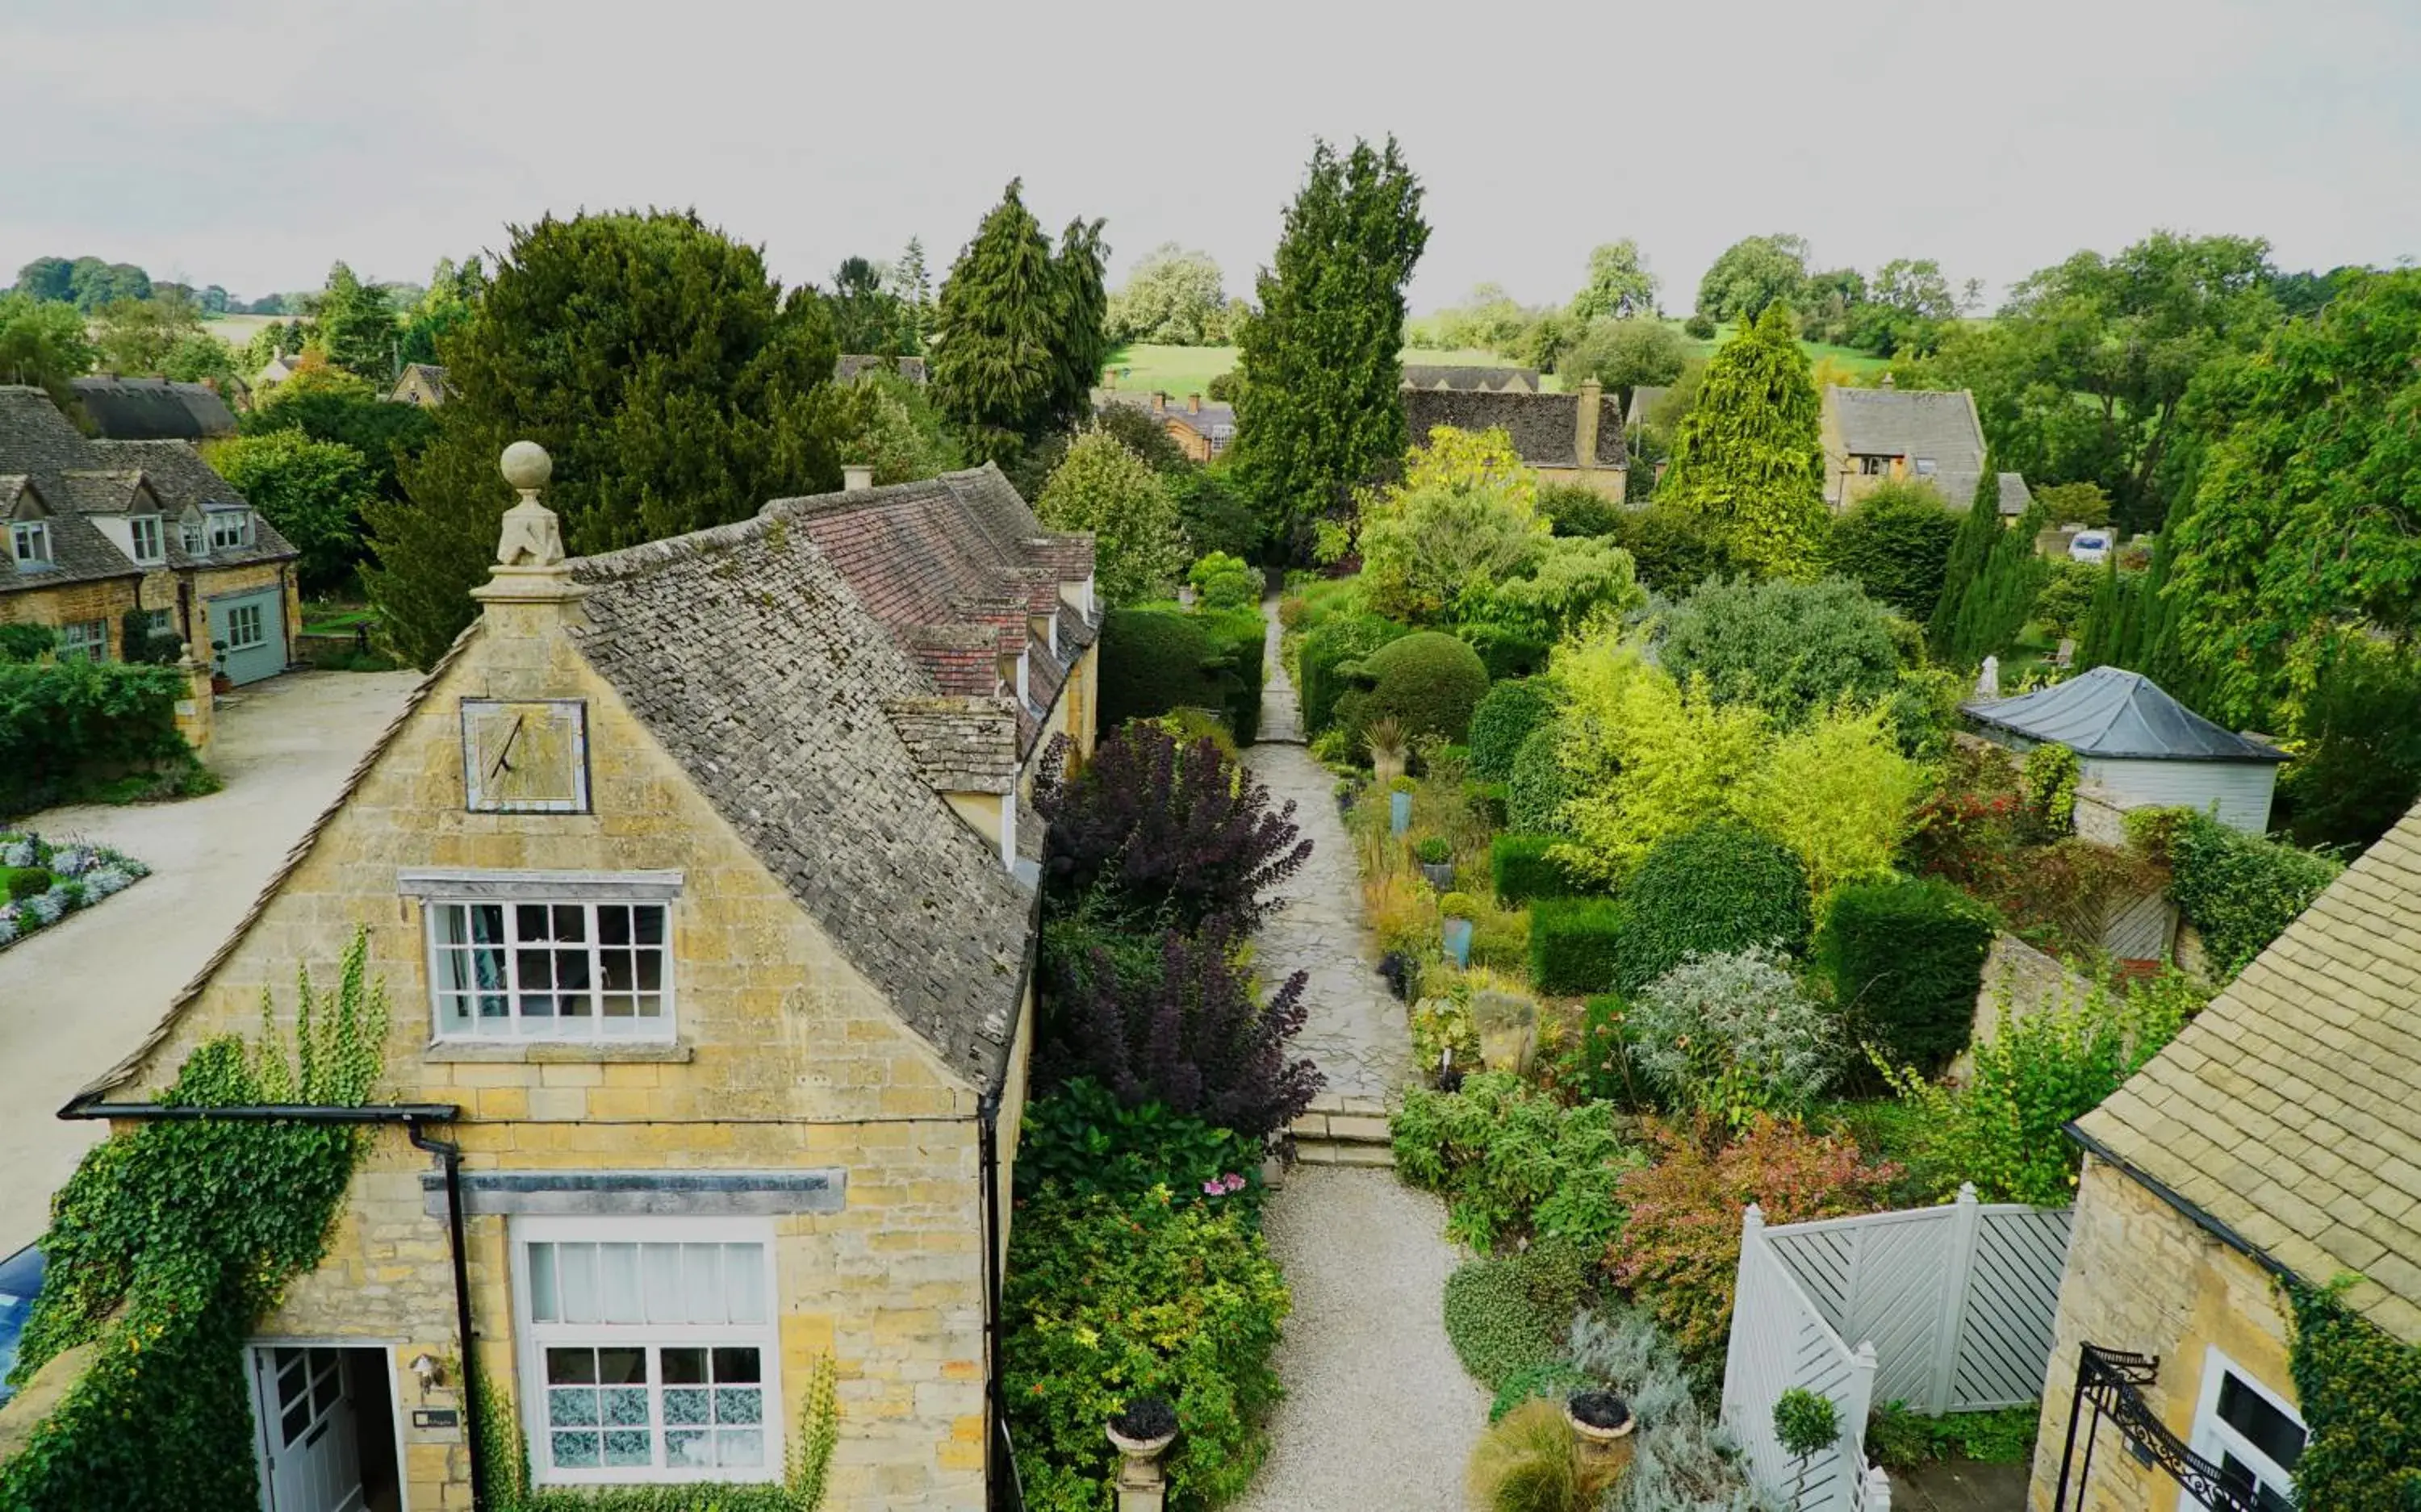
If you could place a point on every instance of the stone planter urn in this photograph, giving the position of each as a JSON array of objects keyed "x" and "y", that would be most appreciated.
[
  {"x": 1439, "y": 874},
  {"x": 1142, "y": 1487},
  {"x": 1601, "y": 1423}
]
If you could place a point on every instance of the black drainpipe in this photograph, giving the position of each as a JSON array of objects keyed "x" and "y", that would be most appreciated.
[
  {"x": 414, "y": 1117},
  {"x": 995, "y": 1399}
]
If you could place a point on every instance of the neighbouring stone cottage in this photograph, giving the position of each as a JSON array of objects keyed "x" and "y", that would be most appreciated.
[
  {"x": 2279, "y": 1136},
  {"x": 1201, "y": 430},
  {"x": 1873, "y": 436},
  {"x": 702, "y": 882},
  {"x": 421, "y": 384},
  {"x": 1564, "y": 438},
  {"x": 99, "y": 528}
]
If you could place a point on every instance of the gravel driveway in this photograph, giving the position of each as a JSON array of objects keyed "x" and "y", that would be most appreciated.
[{"x": 79, "y": 995}]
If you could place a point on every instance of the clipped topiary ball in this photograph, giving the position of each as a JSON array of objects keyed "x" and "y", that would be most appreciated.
[
  {"x": 1710, "y": 889},
  {"x": 1427, "y": 680},
  {"x": 1503, "y": 721},
  {"x": 1534, "y": 799}
]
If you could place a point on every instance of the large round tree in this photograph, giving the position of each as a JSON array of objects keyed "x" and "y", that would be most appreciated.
[
  {"x": 654, "y": 358},
  {"x": 1747, "y": 458}
]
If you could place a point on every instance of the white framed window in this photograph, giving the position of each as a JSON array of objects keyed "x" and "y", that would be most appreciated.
[
  {"x": 150, "y": 540},
  {"x": 29, "y": 542},
  {"x": 161, "y": 621},
  {"x": 550, "y": 969},
  {"x": 230, "y": 529},
  {"x": 192, "y": 537},
  {"x": 84, "y": 640},
  {"x": 649, "y": 1349},
  {"x": 2248, "y": 1431},
  {"x": 1924, "y": 467},
  {"x": 1873, "y": 466},
  {"x": 244, "y": 628}
]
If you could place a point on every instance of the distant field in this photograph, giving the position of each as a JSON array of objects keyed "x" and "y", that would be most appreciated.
[
  {"x": 235, "y": 329},
  {"x": 1182, "y": 371}
]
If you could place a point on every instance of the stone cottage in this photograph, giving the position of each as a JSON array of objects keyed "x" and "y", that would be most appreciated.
[
  {"x": 700, "y": 880},
  {"x": 1564, "y": 438},
  {"x": 1874, "y": 435},
  {"x": 99, "y": 528},
  {"x": 1201, "y": 430},
  {"x": 2277, "y": 1138}
]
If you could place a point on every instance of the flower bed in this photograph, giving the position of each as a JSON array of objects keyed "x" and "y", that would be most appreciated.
[{"x": 42, "y": 883}]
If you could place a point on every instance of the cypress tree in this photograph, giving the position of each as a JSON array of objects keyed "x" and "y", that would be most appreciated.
[
  {"x": 998, "y": 365},
  {"x": 1319, "y": 407},
  {"x": 1747, "y": 458},
  {"x": 2105, "y": 624},
  {"x": 1979, "y": 531},
  {"x": 668, "y": 374}
]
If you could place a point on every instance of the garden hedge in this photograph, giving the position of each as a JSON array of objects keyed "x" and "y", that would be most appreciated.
[
  {"x": 64, "y": 725},
  {"x": 1575, "y": 945},
  {"x": 1503, "y": 653},
  {"x": 1519, "y": 867},
  {"x": 1906, "y": 960},
  {"x": 2240, "y": 889},
  {"x": 1241, "y": 636},
  {"x": 1427, "y": 681},
  {"x": 1505, "y": 717},
  {"x": 1534, "y": 799},
  {"x": 1155, "y": 659},
  {"x": 1328, "y": 647},
  {"x": 1710, "y": 889}
]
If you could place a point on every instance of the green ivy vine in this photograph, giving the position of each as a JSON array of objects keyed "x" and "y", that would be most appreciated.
[
  {"x": 2049, "y": 780},
  {"x": 2360, "y": 1391},
  {"x": 166, "y": 1247},
  {"x": 807, "y": 1473}
]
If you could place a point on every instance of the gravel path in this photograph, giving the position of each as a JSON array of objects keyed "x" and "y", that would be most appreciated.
[{"x": 1379, "y": 1414}]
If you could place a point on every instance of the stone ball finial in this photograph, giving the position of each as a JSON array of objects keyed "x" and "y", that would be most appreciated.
[{"x": 527, "y": 466}]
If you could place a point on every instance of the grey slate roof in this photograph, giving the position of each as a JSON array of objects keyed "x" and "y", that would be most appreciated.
[
  {"x": 76, "y": 475},
  {"x": 2115, "y": 713},
  {"x": 746, "y": 651},
  {"x": 432, "y": 377},
  {"x": 1940, "y": 425},
  {"x": 1643, "y": 399},
  {"x": 849, "y": 364},
  {"x": 1542, "y": 426},
  {"x": 153, "y": 408},
  {"x": 2016, "y": 498},
  {"x": 1471, "y": 379}
]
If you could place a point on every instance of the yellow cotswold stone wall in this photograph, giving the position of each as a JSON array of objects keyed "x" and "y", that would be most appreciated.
[
  {"x": 72, "y": 604},
  {"x": 2142, "y": 1277},
  {"x": 787, "y": 1057},
  {"x": 209, "y": 582}
]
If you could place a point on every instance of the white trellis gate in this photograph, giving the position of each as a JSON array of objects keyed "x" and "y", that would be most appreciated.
[{"x": 1951, "y": 1307}]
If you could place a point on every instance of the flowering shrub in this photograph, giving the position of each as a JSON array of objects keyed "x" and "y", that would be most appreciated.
[
  {"x": 1187, "y": 1034},
  {"x": 1511, "y": 1161},
  {"x": 1108, "y": 1300},
  {"x": 1174, "y": 836},
  {"x": 1679, "y": 1253},
  {"x": 1080, "y": 1140},
  {"x": 1732, "y": 1037}
]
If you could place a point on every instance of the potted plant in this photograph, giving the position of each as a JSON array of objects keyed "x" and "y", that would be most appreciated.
[
  {"x": 1399, "y": 804},
  {"x": 1601, "y": 1423},
  {"x": 1436, "y": 859},
  {"x": 1458, "y": 909},
  {"x": 1142, "y": 1432},
  {"x": 1385, "y": 737},
  {"x": 220, "y": 681},
  {"x": 1805, "y": 1425}
]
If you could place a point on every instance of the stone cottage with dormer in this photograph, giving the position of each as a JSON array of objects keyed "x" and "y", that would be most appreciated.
[
  {"x": 99, "y": 528},
  {"x": 699, "y": 875}
]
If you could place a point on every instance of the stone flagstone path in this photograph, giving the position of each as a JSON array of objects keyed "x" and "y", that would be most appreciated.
[{"x": 1379, "y": 1413}]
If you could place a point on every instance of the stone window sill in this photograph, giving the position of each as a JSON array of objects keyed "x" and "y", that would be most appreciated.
[{"x": 554, "y": 1053}]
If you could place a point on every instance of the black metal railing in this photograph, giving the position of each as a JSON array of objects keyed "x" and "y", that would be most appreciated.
[
  {"x": 2111, "y": 1382},
  {"x": 1006, "y": 1492}
]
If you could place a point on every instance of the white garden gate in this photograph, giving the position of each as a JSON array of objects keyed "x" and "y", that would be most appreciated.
[{"x": 1951, "y": 1307}]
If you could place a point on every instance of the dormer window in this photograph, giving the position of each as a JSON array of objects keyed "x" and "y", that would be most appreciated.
[
  {"x": 191, "y": 537},
  {"x": 149, "y": 542},
  {"x": 230, "y": 529},
  {"x": 29, "y": 543}
]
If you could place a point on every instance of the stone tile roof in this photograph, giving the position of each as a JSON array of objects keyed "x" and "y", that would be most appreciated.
[
  {"x": 76, "y": 476},
  {"x": 153, "y": 408},
  {"x": 1643, "y": 399},
  {"x": 431, "y": 379},
  {"x": 750, "y": 655},
  {"x": 1939, "y": 425},
  {"x": 849, "y": 364},
  {"x": 2016, "y": 498},
  {"x": 2290, "y": 1110},
  {"x": 1471, "y": 379},
  {"x": 2118, "y": 715},
  {"x": 1543, "y": 426}
]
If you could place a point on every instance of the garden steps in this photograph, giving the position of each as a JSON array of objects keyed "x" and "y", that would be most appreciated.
[{"x": 1343, "y": 1130}]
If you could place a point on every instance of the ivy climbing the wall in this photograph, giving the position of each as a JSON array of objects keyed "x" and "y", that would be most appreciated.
[
  {"x": 2360, "y": 1391},
  {"x": 171, "y": 1241}
]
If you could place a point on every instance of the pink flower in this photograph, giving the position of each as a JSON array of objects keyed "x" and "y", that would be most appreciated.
[
  {"x": 1232, "y": 1182},
  {"x": 1213, "y": 1188}
]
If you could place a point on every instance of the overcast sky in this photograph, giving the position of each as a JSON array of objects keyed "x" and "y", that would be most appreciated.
[{"x": 248, "y": 142}]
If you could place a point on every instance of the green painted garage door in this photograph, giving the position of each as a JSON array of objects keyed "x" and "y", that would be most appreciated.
[{"x": 251, "y": 627}]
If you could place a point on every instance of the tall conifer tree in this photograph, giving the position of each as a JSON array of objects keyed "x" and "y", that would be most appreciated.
[
  {"x": 670, "y": 377},
  {"x": 1979, "y": 529},
  {"x": 1080, "y": 343},
  {"x": 1319, "y": 408},
  {"x": 1748, "y": 459},
  {"x": 1003, "y": 354}
]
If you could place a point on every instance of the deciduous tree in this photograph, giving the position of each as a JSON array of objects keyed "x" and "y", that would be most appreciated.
[
  {"x": 1320, "y": 412},
  {"x": 357, "y": 326},
  {"x": 1752, "y": 273},
  {"x": 1623, "y": 354},
  {"x": 1619, "y": 285},
  {"x": 314, "y": 492},
  {"x": 42, "y": 343},
  {"x": 1174, "y": 297},
  {"x": 1106, "y": 489}
]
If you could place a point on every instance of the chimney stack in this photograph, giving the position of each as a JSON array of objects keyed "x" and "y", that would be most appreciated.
[
  {"x": 1159, "y": 402},
  {"x": 854, "y": 476},
  {"x": 1194, "y": 404},
  {"x": 1584, "y": 418}
]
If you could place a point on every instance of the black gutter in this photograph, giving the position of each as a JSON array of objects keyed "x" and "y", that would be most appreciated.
[
  {"x": 2192, "y": 1212},
  {"x": 414, "y": 1117},
  {"x": 987, "y": 1165}
]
